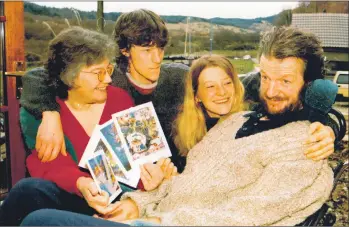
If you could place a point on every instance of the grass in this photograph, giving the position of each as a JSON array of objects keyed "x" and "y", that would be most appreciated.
[{"x": 242, "y": 66}]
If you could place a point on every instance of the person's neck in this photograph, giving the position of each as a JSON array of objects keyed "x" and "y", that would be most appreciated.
[
  {"x": 144, "y": 89},
  {"x": 76, "y": 102}
]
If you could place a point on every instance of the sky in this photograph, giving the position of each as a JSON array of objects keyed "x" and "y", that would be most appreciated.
[{"x": 246, "y": 10}]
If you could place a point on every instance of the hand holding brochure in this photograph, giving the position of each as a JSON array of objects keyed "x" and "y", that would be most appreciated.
[{"x": 131, "y": 138}]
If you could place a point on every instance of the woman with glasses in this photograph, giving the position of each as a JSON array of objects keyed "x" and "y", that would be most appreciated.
[{"x": 79, "y": 64}]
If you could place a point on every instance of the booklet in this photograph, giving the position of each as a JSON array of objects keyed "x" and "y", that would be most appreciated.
[
  {"x": 139, "y": 128},
  {"x": 131, "y": 138},
  {"x": 103, "y": 175}
]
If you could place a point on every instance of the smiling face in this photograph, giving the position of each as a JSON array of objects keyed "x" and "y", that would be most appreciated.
[
  {"x": 215, "y": 91},
  {"x": 88, "y": 87},
  {"x": 145, "y": 62},
  {"x": 281, "y": 84}
]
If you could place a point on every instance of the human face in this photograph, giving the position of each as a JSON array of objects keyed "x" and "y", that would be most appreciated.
[
  {"x": 281, "y": 84},
  {"x": 88, "y": 87},
  {"x": 215, "y": 91},
  {"x": 145, "y": 62}
]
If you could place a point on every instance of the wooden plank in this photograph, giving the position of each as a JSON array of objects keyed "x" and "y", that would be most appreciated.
[{"x": 14, "y": 40}]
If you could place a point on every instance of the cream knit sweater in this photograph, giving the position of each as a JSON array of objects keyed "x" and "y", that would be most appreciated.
[{"x": 263, "y": 179}]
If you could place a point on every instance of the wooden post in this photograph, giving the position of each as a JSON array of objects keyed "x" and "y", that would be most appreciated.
[
  {"x": 14, "y": 44},
  {"x": 100, "y": 16}
]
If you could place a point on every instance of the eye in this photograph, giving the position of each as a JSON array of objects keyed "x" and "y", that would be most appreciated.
[
  {"x": 286, "y": 81},
  {"x": 264, "y": 77},
  {"x": 228, "y": 82},
  {"x": 209, "y": 86}
]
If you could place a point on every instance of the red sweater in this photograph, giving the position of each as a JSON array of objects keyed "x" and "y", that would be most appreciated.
[{"x": 63, "y": 170}]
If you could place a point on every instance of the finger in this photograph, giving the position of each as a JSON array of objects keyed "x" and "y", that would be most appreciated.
[
  {"x": 318, "y": 136},
  {"x": 145, "y": 182},
  {"x": 47, "y": 152},
  {"x": 320, "y": 152},
  {"x": 54, "y": 154},
  {"x": 113, "y": 208},
  {"x": 168, "y": 170},
  {"x": 38, "y": 143},
  {"x": 42, "y": 150},
  {"x": 319, "y": 145},
  {"x": 92, "y": 188},
  {"x": 174, "y": 171},
  {"x": 99, "y": 202},
  {"x": 63, "y": 148},
  {"x": 324, "y": 155},
  {"x": 145, "y": 173},
  {"x": 314, "y": 127},
  {"x": 167, "y": 161},
  {"x": 160, "y": 162}
]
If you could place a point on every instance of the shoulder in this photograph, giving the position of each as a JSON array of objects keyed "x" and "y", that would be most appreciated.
[
  {"x": 118, "y": 93},
  {"x": 251, "y": 78},
  {"x": 118, "y": 99},
  {"x": 174, "y": 69},
  {"x": 39, "y": 72},
  {"x": 119, "y": 79}
]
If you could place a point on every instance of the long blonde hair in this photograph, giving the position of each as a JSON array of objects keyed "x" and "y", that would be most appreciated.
[{"x": 190, "y": 125}]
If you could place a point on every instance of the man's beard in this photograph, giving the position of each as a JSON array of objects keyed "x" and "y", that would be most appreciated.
[{"x": 286, "y": 113}]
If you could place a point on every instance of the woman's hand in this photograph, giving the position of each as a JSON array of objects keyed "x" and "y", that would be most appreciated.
[
  {"x": 50, "y": 138},
  {"x": 99, "y": 202},
  {"x": 124, "y": 210},
  {"x": 151, "y": 176},
  {"x": 167, "y": 167},
  {"x": 321, "y": 142}
]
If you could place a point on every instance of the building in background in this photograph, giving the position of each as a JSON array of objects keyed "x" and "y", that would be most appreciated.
[{"x": 332, "y": 29}]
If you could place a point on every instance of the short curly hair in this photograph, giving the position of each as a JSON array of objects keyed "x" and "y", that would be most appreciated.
[{"x": 72, "y": 49}]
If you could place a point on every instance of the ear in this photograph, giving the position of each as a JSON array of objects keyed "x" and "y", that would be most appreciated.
[
  {"x": 197, "y": 100},
  {"x": 125, "y": 52}
]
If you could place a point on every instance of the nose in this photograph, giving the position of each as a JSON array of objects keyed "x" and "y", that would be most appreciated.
[
  {"x": 107, "y": 78},
  {"x": 272, "y": 90},
  {"x": 221, "y": 90},
  {"x": 157, "y": 55}
]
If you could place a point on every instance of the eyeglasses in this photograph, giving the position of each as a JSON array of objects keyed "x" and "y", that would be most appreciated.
[{"x": 102, "y": 72}]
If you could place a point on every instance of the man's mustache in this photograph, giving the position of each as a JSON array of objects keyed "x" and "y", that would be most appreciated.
[{"x": 277, "y": 98}]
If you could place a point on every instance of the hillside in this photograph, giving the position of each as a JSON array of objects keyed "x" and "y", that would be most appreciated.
[{"x": 248, "y": 24}]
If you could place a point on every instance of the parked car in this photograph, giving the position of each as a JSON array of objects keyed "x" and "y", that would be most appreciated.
[{"x": 341, "y": 78}]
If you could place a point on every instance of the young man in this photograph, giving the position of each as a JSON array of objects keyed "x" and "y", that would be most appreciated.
[{"x": 249, "y": 170}]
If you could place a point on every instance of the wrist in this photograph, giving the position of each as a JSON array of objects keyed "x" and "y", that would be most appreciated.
[{"x": 50, "y": 113}]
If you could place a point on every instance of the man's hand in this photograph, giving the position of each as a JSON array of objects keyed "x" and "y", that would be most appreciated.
[
  {"x": 151, "y": 176},
  {"x": 97, "y": 201},
  {"x": 50, "y": 139},
  {"x": 321, "y": 142},
  {"x": 167, "y": 167},
  {"x": 124, "y": 210}
]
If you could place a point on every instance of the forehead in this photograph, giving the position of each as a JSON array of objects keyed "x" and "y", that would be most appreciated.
[
  {"x": 213, "y": 74},
  {"x": 274, "y": 67},
  {"x": 99, "y": 65}
]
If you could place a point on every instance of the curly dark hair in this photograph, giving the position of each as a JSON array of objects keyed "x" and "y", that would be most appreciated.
[
  {"x": 140, "y": 27},
  {"x": 283, "y": 42}
]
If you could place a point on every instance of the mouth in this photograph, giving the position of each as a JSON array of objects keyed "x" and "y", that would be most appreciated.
[
  {"x": 101, "y": 88},
  {"x": 221, "y": 101}
]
